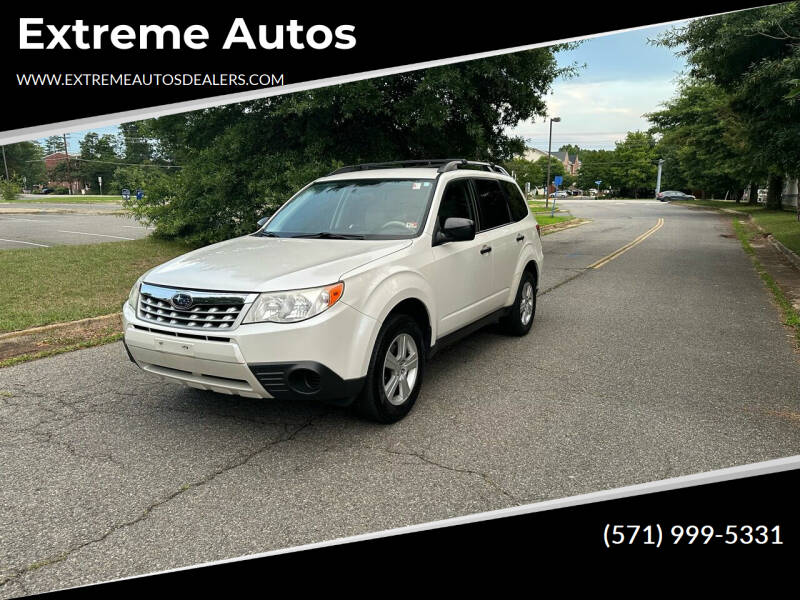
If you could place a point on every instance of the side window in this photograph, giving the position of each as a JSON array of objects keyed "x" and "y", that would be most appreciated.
[
  {"x": 492, "y": 205},
  {"x": 516, "y": 203},
  {"x": 455, "y": 202}
]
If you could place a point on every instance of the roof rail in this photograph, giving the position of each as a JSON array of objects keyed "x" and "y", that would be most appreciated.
[{"x": 444, "y": 165}]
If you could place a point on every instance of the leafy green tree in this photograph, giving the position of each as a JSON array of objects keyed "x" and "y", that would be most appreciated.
[
  {"x": 138, "y": 145},
  {"x": 570, "y": 149},
  {"x": 25, "y": 163},
  {"x": 98, "y": 158},
  {"x": 241, "y": 161},
  {"x": 634, "y": 169},
  {"x": 704, "y": 139},
  {"x": 526, "y": 171},
  {"x": 596, "y": 165},
  {"x": 753, "y": 55},
  {"x": 53, "y": 144}
]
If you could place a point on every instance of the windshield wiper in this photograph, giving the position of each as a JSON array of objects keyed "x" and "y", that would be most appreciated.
[
  {"x": 327, "y": 235},
  {"x": 266, "y": 234}
]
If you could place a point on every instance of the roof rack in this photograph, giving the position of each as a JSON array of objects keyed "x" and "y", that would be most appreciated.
[{"x": 444, "y": 165}]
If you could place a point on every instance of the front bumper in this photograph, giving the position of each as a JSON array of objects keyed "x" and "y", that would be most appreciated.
[{"x": 323, "y": 358}]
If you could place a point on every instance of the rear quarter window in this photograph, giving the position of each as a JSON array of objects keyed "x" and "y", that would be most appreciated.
[{"x": 516, "y": 202}]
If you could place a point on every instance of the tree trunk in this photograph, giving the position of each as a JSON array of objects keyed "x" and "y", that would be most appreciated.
[
  {"x": 774, "y": 189},
  {"x": 753, "y": 193}
]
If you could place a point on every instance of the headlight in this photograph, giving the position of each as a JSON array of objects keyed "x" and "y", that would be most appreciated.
[
  {"x": 133, "y": 297},
  {"x": 293, "y": 306}
]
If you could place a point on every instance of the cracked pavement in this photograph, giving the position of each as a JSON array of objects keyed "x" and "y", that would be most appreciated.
[{"x": 669, "y": 360}]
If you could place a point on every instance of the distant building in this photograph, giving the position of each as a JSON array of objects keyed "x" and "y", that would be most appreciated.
[
  {"x": 571, "y": 162},
  {"x": 51, "y": 161}
]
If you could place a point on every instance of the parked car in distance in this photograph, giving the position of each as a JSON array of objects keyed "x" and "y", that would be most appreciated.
[
  {"x": 346, "y": 291},
  {"x": 673, "y": 195},
  {"x": 561, "y": 194},
  {"x": 47, "y": 190}
]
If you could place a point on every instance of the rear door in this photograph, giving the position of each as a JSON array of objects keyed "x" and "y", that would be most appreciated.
[{"x": 497, "y": 236}]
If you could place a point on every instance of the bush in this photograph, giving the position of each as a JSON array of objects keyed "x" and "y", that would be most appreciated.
[{"x": 10, "y": 189}]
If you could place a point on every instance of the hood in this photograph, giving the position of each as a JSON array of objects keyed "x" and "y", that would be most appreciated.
[{"x": 262, "y": 264}]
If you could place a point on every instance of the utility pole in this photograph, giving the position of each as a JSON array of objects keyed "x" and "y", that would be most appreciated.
[
  {"x": 549, "y": 147},
  {"x": 5, "y": 164},
  {"x": 658, "y": 178},
  {"x": 69, "y": 172}
]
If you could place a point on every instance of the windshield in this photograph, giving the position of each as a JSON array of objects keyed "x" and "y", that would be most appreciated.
[{"x": 363, "y": 209}]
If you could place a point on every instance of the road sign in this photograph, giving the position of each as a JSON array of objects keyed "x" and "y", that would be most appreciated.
[
  {"x": 558, "y": 179},
  {"x": 598, "y": 182}
]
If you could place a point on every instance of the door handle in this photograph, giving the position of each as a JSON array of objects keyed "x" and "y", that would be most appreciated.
[
  {"x": 486, "y": 249},
  {"x": 520, "y": 237}
]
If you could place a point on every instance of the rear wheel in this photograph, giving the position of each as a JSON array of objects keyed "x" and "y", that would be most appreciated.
[
  {"x": 521, "y": 314},
  {"x": 395, "y": 371}
]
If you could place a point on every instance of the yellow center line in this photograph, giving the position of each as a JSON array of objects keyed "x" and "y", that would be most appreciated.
[{"x": 628, "y": 246}]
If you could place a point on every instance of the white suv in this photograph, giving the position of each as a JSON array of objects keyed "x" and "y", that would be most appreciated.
[{"x": 347, "y": 290}]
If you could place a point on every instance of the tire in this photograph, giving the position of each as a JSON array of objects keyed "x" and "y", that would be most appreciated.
[
  {"x": 521, "y": 314},
  {"x": 396, "y": 370}
]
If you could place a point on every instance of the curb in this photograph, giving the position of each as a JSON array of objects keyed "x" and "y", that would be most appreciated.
[
  {"x": 789, "y": 254},
  {"x": 556, "y": 227},
  {"x": 36, "y": 339},
  {"x": 793, "y": 258}
]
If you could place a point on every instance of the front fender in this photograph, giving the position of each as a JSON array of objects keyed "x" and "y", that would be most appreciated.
[{"x": 377, "y": 297}]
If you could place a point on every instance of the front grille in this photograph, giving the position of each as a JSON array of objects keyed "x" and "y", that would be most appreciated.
[{"x": 206, "y": 310}]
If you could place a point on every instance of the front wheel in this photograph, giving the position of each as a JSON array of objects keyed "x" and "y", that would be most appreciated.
[
  {"x": 395, "y": 371},
  {"x": 520, "y": 317}
]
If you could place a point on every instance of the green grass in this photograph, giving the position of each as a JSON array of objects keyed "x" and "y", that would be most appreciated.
[
  {"x": 77, "y": 199},
  {"x": 548, "y": 220},
  {"x": 536, "y": 205},
  {"x": 41, "y": 286},
  {"x": 791, "y": 318},
  {"x": 782, "y": 224}
]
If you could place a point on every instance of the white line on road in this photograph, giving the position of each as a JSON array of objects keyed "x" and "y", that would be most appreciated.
[
  {"x": 119, "y": 237},
  {"x": 137, "y": 227},
  {"x": 21, "y": 242}
]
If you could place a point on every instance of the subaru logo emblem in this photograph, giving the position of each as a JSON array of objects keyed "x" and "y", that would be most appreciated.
[{"x": 182, "y": 301}]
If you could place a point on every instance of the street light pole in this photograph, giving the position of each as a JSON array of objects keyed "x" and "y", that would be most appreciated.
[
  {"x": 549, "y": 147},
  {"x": 658, "y": 179}
]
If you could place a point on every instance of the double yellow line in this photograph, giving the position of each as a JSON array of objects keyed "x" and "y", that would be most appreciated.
[{"x": 628, "y": 246}]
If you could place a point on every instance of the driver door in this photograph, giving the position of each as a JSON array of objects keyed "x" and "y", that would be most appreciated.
[{"x": 460, "y": 274}]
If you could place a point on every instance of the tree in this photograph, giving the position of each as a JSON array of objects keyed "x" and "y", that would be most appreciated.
[
  {"x": 53, "y": 144},
  {"x": 753, "y": 55},
  {"x": 25, "y": 163},
  {"x": 597, "y": 165},
  {"x": 634, "y": 168},
  {"x": 138, "y": 145},
  {"x": 526, "y": 171},
  {"x": 241, "y": 161},
  {"x": 570, "y": 149},
  {"x": 703, "y": 141},
  {"x": 98, "y": 158}
]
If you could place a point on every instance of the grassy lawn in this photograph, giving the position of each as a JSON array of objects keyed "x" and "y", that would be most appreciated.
[
  {"x": 65, "y": 283},
  {"x": 536, "y": 205},
  {"x": 548, "y": 220},
  {"x": 77, "y": 199},
  {"x": 782, "y": 224}
]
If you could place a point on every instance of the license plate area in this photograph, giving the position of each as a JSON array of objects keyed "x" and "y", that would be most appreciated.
[{"x": 174, "y": 346}]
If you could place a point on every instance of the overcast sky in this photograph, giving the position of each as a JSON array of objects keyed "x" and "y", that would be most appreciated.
[{"x": 624, "y": 78}]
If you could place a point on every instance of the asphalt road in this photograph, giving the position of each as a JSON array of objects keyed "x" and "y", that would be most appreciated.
[
  {"x": 44, "y": 229},
  {"x": 668, "y": 360}
]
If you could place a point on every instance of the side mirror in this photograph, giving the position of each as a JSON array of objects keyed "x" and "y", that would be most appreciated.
[
  {"x": 261, "y": 221},
  {"x": 456, "y": 229}
]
